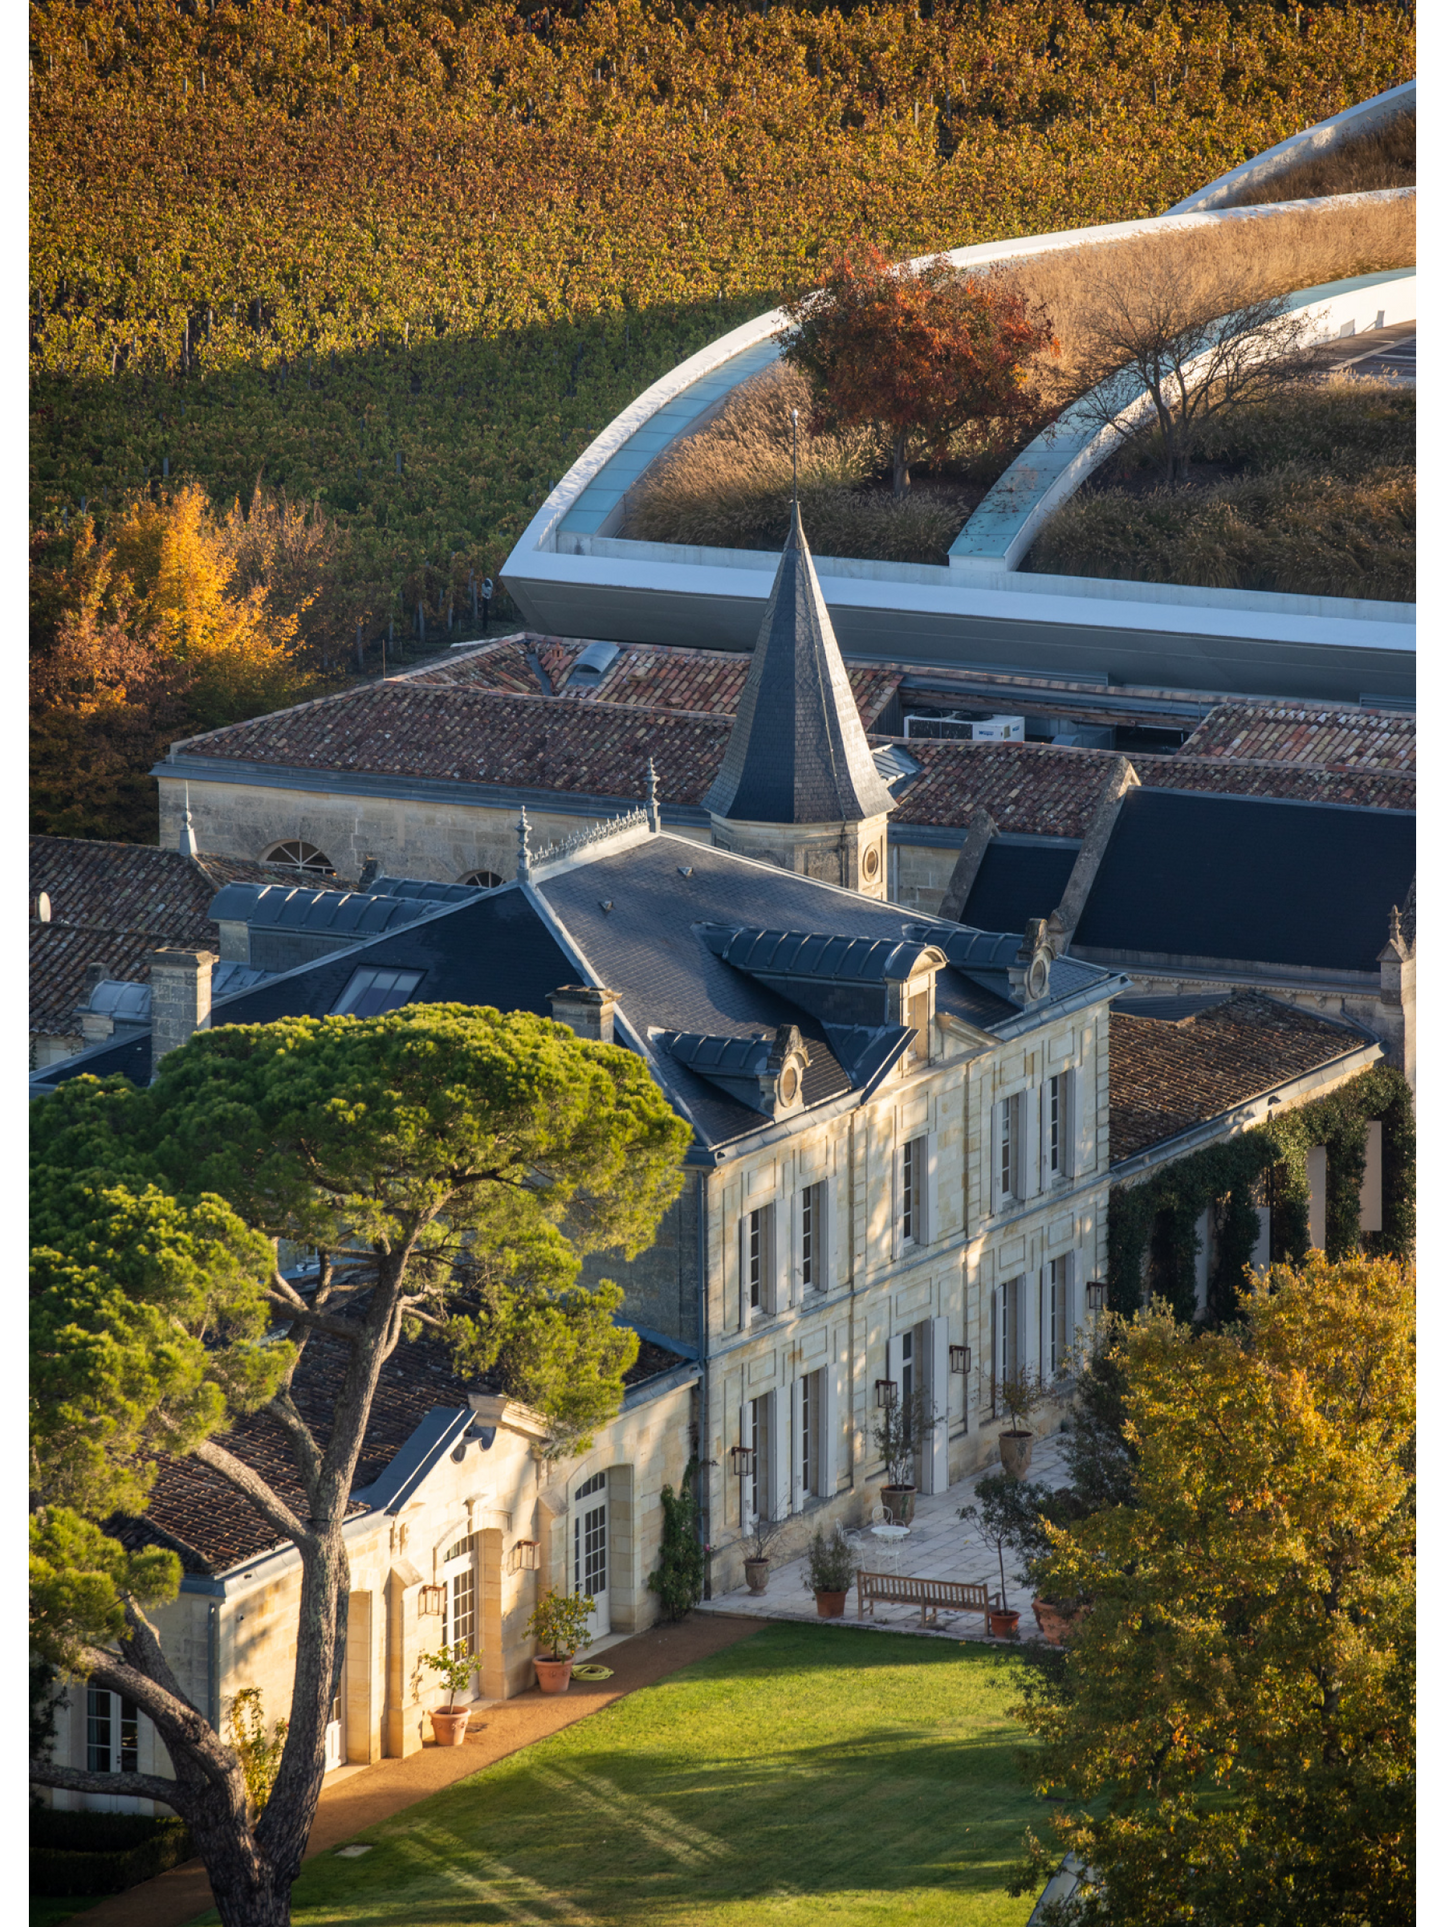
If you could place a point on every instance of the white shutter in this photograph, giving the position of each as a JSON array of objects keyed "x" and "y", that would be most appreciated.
[
  {"x": 793, "y": 1273},
  {"x": 1069, "y": 1125},
  {"x": 933, "y": 1459},
  {"x": 829, "y": 1379},
  {"x": 781, "y": 1464},
  {"x": 743, "y": 1311},
  {"x": 998, "y": 1362},
  {"x": 773, "y": 1258},
  {"x": 895, "y": 1363},
  {"x": 799, "y": 1496},
  {"x": 1081, "y": 1126},
  {"x": 930, "y": 1189},
  {"x": 744, "y": 1438},
  {"x": 996, "y": 1154},
  {"x": 895, "y": 1215},
  {"x": 823, "y": 1241},
  {"x": 1029, "y": 1143}
]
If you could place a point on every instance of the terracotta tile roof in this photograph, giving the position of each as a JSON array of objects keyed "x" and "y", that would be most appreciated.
[
  {"x": 471, "y": 735},
  {"x": 1164, "y": 1078},
  {"x": 194, "y": 1510},
  {"x": 702, "y": 681},
  {"x": 1029, "y": 789},
  {"x": 1381, "y": 789},
  {"x": 1339, "y": 739},
  {"x": 114, "y": 903}
]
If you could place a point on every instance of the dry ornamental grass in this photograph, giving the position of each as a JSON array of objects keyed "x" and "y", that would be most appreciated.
[
  {"x": 729, "y": 484},
  {"x": 1383, "y": 159},
  {"x": 1322, "y": 502}
]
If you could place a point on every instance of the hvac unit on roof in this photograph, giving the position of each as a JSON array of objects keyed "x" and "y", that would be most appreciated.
[{"x": 966, "y": 729}]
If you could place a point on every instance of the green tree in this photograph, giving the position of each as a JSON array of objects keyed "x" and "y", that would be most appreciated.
[
  {"x": 1237, "y": 1706},
  {"x": 450, "y": 1166},
  {"x": 678, "y": 1581}
]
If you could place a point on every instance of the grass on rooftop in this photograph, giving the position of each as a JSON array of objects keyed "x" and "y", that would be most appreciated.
[{"x": 805, "y": 1775}]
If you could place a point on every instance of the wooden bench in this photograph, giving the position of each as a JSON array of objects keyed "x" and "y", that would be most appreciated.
[{"x": 931, "y": 1596}]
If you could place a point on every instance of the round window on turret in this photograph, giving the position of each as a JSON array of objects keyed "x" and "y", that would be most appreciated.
[
  {"x": 788, "y": 1084},
  {"x": 870, "y": 864}
]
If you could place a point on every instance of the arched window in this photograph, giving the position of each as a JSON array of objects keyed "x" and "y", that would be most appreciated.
[
  {"x": 481, "y": 879},
  {"x": 297, "y": 854}
]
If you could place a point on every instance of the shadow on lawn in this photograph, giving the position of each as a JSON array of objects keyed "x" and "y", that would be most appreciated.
[{"x": 720, "y": 1788}]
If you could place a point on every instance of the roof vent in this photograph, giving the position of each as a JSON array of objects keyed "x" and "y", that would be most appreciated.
[{"x": 592, "y": 665}]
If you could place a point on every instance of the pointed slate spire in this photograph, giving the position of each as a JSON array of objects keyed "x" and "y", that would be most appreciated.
[{"x": 797, "y": 753}]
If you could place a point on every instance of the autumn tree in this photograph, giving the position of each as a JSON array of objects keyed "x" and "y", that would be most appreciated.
[
  {"x": 1175, "y": 337},
  {"x": 1232, "y": 1726},
  {"x": 919, "y": 353},
  {"x": 450, "y": 1166}
]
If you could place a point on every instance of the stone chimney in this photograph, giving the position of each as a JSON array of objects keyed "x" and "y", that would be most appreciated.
[
  {"x": 180, "y": 998},
  {"x": 584, "y": 1010},
  {"x": 1397, "y": 994},
  {"x": 370, "y": 871}
]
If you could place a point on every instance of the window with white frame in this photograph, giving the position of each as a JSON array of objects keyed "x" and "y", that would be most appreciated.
[
  {"x": 907, "y": 1381},
  {"x": 1056, "y": 1100},
  {"x": 810, "y": 1434},
  {"x": 589, "y": 1537},
  {"x": 112, "y": 1732},
  {"x": 756, "y": 1435},
  {"x": 459, "y": 1582},
  {"x": 911, "y": 1164},
  {"x": 1006, "y": 1323},
  {"x": 1054, "y": 1319},
  {"x": 811, "y": 1239},
  {"x": 1008, "y": 1150},
  {"x": 756, "y": 1240}
]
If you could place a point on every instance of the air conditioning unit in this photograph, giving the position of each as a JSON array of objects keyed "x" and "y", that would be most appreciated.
[{"x": 965, "y": 729}]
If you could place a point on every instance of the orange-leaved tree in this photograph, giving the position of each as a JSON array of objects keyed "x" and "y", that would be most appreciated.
[{"x": 920, "y": 353}]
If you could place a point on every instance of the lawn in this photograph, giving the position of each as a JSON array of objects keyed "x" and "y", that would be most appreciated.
[{"x": 806, "y": 1774}]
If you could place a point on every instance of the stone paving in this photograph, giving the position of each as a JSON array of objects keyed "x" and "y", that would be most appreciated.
[{"x": 939, "y": 1546}]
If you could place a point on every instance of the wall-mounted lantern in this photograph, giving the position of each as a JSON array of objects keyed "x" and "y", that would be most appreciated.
[
  {"x": 960, "y": 1359},
  {"x": 433, "y": 1599},
  {"x": 526, "y": 1555},
  {"x": 1096, "y": 1294},
  {"x": 742, "y": 1457},
  {"x": 885, "y": 1393}
]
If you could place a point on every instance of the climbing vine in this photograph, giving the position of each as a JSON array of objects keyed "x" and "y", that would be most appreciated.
[{"x": 1153, "y": 1225}]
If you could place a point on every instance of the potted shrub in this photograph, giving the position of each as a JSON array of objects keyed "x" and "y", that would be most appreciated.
[
  {"x": 454, "y": 1665},
  {"x": 898, "y": 1432},
  {"x": 1020, "y": 1393},
  {"x": 828, "y": 1571},
  {"x": 559, "y": 1622},
  {"x": 1007, "y": 1513},
  {"x": 1055, "y": 1615},
  {"x": 756, "y": 1564}
]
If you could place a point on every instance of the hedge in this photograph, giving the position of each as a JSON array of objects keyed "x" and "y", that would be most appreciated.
[
  {"x": 102, "y": 1853},
  {"x": 1157, "y": 1219}
]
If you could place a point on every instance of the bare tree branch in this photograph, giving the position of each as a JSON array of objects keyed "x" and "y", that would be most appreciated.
[{"x": 255, "y": 1488}]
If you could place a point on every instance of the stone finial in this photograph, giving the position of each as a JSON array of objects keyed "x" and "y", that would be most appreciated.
[
  {"x": 654, "y": 808},
  {"x": 189, "y": 845},
  {"x": 1028, "y": 974},
  {"x": 524, "y": 854}
]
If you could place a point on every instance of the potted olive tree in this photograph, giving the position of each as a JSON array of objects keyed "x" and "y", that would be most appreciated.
[
  {"x": 559, "y": 1621},
  {"x": 1020, "y": 1393},
  {"x": 828, "y": 1571},
  {"x": 898, "y": 1434},
  {"x": 455, "y": 1666},
  {"x": 1006, "y": 1514},
  {"x": 756, "y": 1541}
]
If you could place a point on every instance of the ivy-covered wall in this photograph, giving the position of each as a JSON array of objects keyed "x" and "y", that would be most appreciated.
[{"x": 1153, "y": 1224}]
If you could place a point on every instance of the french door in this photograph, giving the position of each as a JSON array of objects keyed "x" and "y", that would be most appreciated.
[
  {"x": 112, "y": 1745},
  {"x": 589, "y": 1551}
]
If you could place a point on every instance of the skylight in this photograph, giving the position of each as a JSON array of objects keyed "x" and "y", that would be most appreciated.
[{"x": 372, "y": 991}]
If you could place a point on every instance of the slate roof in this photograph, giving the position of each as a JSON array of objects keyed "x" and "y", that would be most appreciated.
[
  {"x": 1338, "y": 739},
  {"x": 797, "y": 752},
  {"x": 651, "y": 945},
  {"x": 213, "y": 1527},
  {"x": 1247, "y": 879},
  {"x": 1017, "y": 881},
  {"x": 114, "y": 903},
  {"x": 1166, "y": 1077}
]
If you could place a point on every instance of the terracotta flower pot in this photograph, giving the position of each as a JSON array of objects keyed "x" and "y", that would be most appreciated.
[
  {"x": 1016, "y": 1449},
  {"x": 1003, "y": 1624},
  {"x": 553, "y": 1675},
  {"x": 898, "y": 1503},
  {"x": 1055, "y": 1622},
  {"x": 831, "y": 1604},
  {"x": 448, "y": 1728},
  {"x": 756, "y": 1572}
]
